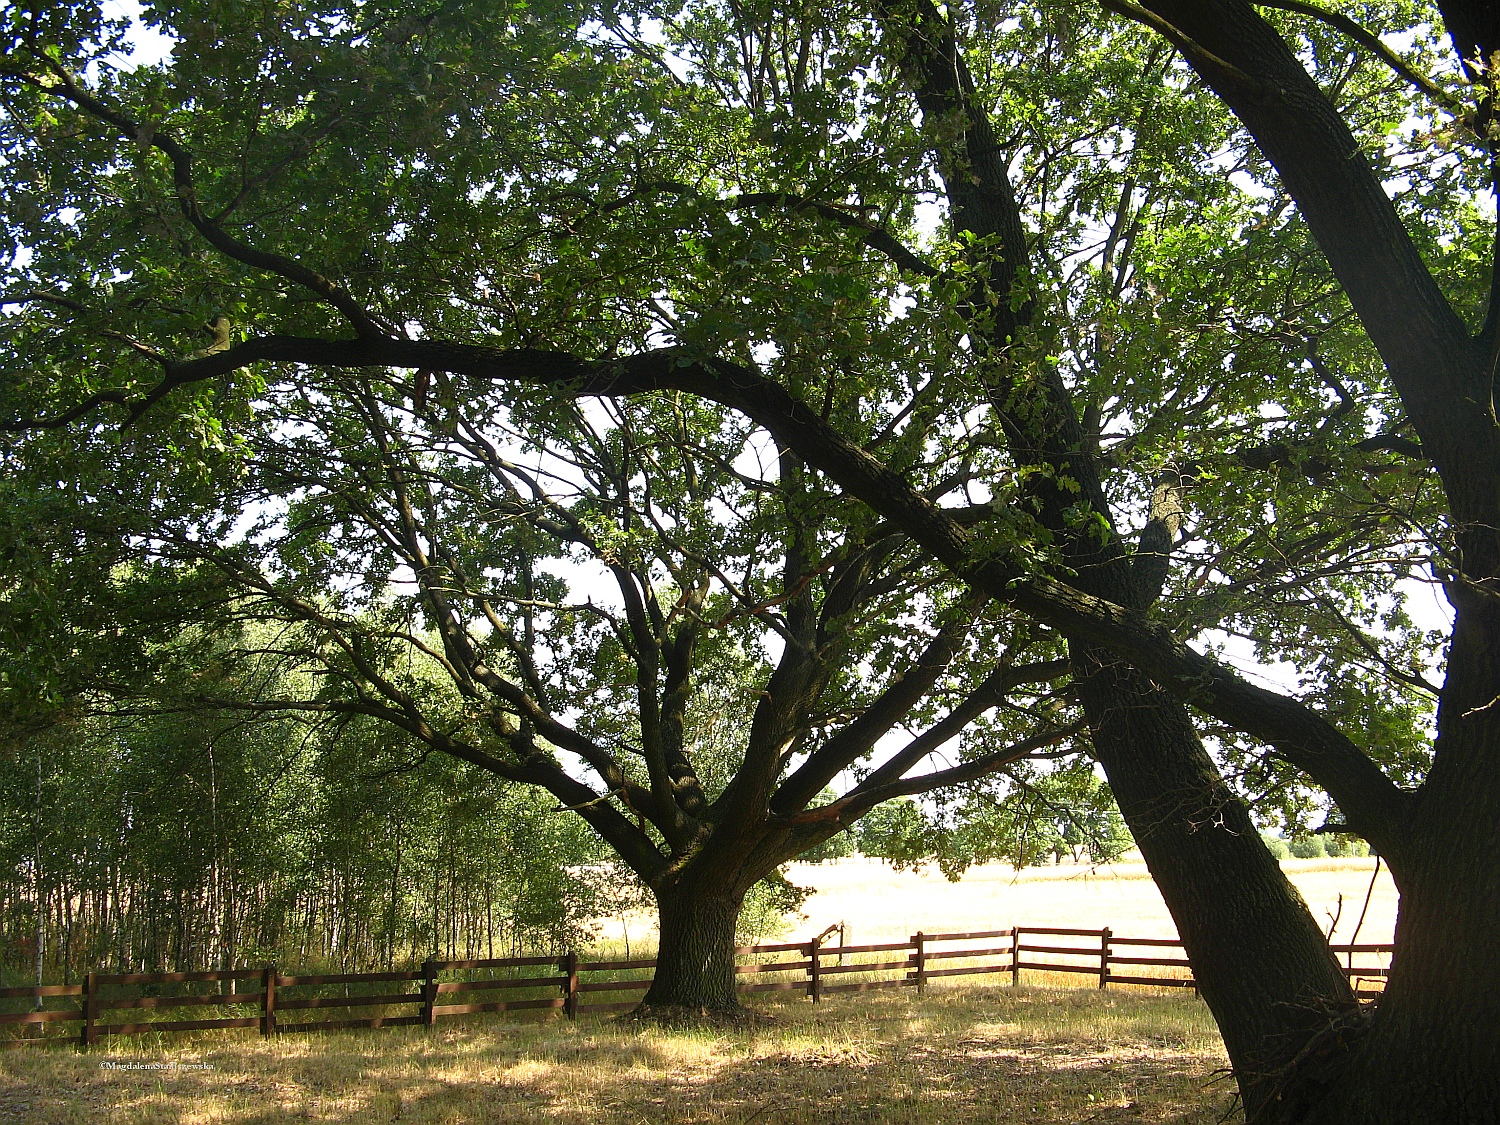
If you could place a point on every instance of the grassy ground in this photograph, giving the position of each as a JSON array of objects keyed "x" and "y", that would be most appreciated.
[
  {"x": 975, "y": 1053},
  {"x": 987, "y": 1054}
]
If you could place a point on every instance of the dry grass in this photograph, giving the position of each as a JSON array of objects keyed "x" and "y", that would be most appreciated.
[{"x": 955, "y": 1055}]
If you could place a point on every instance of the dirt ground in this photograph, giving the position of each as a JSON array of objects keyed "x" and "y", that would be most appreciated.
[{"x": 956, "y": 1055}]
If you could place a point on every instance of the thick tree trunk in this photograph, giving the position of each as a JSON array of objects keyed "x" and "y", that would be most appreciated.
[
  {"x": 695, "y": 960},
  {"x": 1432, "y": 1049},
  {"x": 1431, "y": 1052},
  {"x": 1260, "y": 961}
]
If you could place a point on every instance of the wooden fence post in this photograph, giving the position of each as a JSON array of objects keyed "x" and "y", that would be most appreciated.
[
  {"x": 1104, "y": 957},
  {"x": 570, "y": 966},
  {"x": 919, "y": 940},
  {"x": 89, "y": 1035},
  {"x": 429, "y": 992},
  {"x": 814, "y": 970},
  {"x": 1015, "y": 956},
  {"x": 268, "y": 1001}
]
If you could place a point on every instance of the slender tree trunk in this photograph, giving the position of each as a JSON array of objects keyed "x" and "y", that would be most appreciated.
[{"x": 695, "y": 959}]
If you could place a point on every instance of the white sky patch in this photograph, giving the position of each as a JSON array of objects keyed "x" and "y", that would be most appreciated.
[
  {"x": 148, "y": 46},
  {"x": 1426, "y": 605}
]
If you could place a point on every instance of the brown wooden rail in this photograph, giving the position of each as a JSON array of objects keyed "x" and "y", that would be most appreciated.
[{"x": 1045, "y": 949}]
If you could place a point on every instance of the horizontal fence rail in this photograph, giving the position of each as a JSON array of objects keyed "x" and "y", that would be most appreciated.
[{"x": 263, "y": 998}]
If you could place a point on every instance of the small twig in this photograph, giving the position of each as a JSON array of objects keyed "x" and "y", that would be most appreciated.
[
  {"x": 1334, "y": 920},
  {"x": 1369, "y": 893},
  {"x": 599, "y": 800},
  {"x": 764, "y": 1109}
]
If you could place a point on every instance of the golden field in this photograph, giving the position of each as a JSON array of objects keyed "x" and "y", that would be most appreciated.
[{"x": 880, "y": 904}]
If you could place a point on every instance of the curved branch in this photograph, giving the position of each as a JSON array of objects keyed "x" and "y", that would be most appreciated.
[
  {"x": 988, "y": 694},
  {"x": 874, "y": 236},
  {"x": 862, "y": 798},
  {"x": 1373, "y": 804},
  {"x": 68, "y": 416},
  {"x": 1191, "y": 48},
  {"x": 857, "y": 738},
  {"x": 1372, "y": 43},
  {"x": 149, "y": 134}
]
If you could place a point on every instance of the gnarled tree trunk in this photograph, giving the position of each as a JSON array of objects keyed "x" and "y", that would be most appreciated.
[
  {"x": 695, "y": 959},
  {"x": 1431, "y": 1049}
]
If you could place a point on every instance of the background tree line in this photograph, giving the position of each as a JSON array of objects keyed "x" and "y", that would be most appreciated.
[
  {"x": 142, "y": 838},
  {"x": 201, "y": 840}
]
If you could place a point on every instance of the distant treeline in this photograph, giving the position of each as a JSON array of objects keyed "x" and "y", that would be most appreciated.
[
  {"x": 194, "y": 841},
  {"x": 138, "y": 842}
]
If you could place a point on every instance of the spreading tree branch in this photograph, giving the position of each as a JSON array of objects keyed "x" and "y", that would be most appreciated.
[
  {"x": 60, "y": 83},
  {"x": 866, "y": 796},
  {"x": 1371, "y": 801},
  {"x": 1372, "y": 43}
]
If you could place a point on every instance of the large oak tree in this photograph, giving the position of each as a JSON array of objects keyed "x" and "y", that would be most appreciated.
[
  {"x": 557, "y": 199},
  {"x": 682, "y": 642}
]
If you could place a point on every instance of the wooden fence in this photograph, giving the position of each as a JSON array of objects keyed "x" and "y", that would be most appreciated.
[{"x": 281, "y": 1004}]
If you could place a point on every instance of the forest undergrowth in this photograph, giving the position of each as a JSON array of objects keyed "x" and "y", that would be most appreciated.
[{"x": 961, "y": 1054}]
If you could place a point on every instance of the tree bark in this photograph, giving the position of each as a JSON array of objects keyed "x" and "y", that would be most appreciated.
[
  {"x": 1431, "y": 1052},
  {"x": 1259, "y": 959},
  {"x": 695, "y": 958}
]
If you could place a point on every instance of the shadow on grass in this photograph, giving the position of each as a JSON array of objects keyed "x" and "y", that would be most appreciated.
[{"x": 959, "y": 1055}]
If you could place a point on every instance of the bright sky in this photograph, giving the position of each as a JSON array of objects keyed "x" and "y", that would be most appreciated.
[{"x": 147, "y": 46}]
